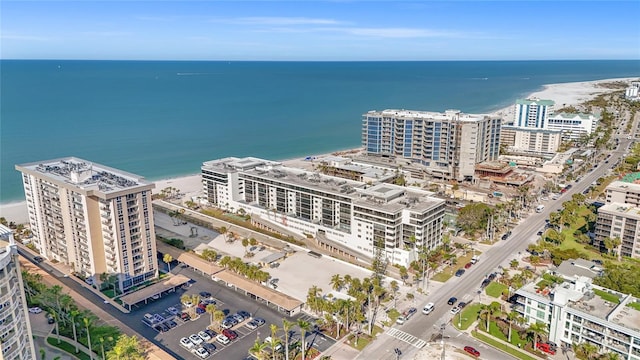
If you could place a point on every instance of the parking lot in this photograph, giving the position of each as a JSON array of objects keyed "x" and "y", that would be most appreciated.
[{"x": 227, "y": 300}]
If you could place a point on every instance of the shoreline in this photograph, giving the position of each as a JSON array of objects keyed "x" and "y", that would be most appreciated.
[{"x": 563, "y": 94}]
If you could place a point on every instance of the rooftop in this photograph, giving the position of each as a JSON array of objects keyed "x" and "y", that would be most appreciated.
[
  {"x": 573, "y": 116},
  {"x": 625, "y": 210},
  {"x": 535, "y": 101},
  {"x": 430, "y": 115},
  {"x": 572, "y": 268},
  {"x": 84, "y": 175}
]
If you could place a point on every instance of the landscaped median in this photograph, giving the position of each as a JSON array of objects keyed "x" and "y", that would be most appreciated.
[
  {"x": 501, "y": 346},
  {"x": 68, "y": 348},
  {"x": 448, "y": 272},
  {"x": 467, "y": 316}
]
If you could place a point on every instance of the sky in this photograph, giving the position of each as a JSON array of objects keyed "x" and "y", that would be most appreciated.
[{"x": 339, "y": 30}]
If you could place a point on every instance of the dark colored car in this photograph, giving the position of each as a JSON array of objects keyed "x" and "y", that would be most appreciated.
[
  {"x": 492, "y": 276},
  {"x": 200, "y": 310},
  {"x": 210, "y": 332},
  {"x": 259, "y": 321},
  {"x": 185, "y": 316},
  {"x": 38, "y": 259},
  {"x": 462, "y": 304},
  {"x": 244, "y": 314},
  {"x": 205, "y": 294},
  {"x": 171, "y": 324},
  {"x": 209, "y": 347},
  {"x": 471, "y": 350},
  {"x": 50, "y": 319},
  {"x": 467, "y": 265},
  {"x": 452, "y": 300},
  {"x": 460, "y": 272},
  {"x": 230, "y": 334}
]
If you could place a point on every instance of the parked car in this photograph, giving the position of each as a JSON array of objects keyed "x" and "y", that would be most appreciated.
[
  {"x": 172, "y": 310},
  {"x": 462, "y": 304},
  {"x": 460, "y": 272},
  {"x": 204, "y": 336},
  {"x": 50, "y": 319},
  {"x": 184, "y": 316},
  {"x": 471, "y": 350},
  {"x": 186, "y": 343},
  {"x": 467, "y": 265},
  {"x": 260, "y": 321},
  {"x": 244, "y": 314},
  {"x": 406, "y": 315},
  {"x": 202, "y": 352},
  {"x": 171, "y": 324},
  {"x": 452, "y": 300},
  {"x": 38, "y": 259},
  {"x": 239, "y": 318},
  {"x": 197, "y": 340},
  {"x": 210, "y": 347},
  {"x": 268, "y": 341},
  {"x": 35, "y": 310},
  {"x": 222, "y": 339},
  {"x": 454, "y": 310},
  {"x": 205, "y": 294},
  {"x": 252, "y": 325},
  {"x": 227, "y": 324},
  {"x": 232, "y": 335}
]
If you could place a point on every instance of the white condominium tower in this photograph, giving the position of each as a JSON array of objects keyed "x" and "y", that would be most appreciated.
[
  {"x": 16, "y": 340},
  {"x": 353, "y": 217},
  {"x": 92, "y": 217},
  {"x": 532, "y": 113},
  {"x": 448, "y": 144}
]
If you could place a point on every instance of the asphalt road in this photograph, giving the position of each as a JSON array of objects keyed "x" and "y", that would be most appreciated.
[{"x": 466, "y": 287}]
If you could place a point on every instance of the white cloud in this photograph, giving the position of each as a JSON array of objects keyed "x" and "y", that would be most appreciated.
[{"x": 22, "y": 37}]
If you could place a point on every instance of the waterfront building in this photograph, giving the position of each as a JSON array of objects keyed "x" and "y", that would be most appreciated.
[
  {"x": 577, "y": 311},
  {"x": 356, "y": 218},
  {"x": 573, "y": 126},
  {"x": 15, "y": 328},
  {"x": 94, "y": 218},
  {"x": 623, "y": 192},
  {"x": 448, "y": 145},
  {"x": 531, "y": 141},
  {"x": 633, "y": 91},
  {"x": 532, "y": 113}
]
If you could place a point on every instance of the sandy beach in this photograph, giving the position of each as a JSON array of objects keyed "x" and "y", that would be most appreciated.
[{"x": 564, "y": 94}]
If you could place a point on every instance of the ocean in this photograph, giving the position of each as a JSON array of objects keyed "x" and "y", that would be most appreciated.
[{"x": 162, "y": 119}]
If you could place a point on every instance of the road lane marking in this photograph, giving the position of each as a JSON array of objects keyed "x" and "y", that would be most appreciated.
[{"x": 406, "y": 337}]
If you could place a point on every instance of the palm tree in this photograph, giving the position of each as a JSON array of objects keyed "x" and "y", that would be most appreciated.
[
  {"x": 536, "y": 330},
  {"x": 245, "y": 243},
  {"x": 126, "y": 348},
  {"x": 73, "y": 315},
  {"x": 88, "y": 324},
  {"x": 218, "y": 316},
  {"x": 511, "y": 317},
  {"x": 336, "y": 282},
  {"x": 257, "y": 350},
  {"x": 274, "y": 341},
  {"x": 514, "y": 264},
  {"x": 211, "y": 310},
  {"x": 485, "y": 312},
  {"x": 286, "y": 326},
  {"x": 304, "y": 328},
  {"x": 223, "y": 231},
  {"x": 167, "y": 258},
  {"x": 102, "y": 341}
]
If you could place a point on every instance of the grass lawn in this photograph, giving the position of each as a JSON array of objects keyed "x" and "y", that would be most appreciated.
[
  {"x": 606, "y": 296},
  {"x": 393, "y": 315},
  {"x": 468, "y": 316},
  {"x": 634, "y": 305},
  {"x": 363, "y": 340},
  {"x": 496, "y": 333},
  {"x": 495, "y": 289},
  {"x": 68, "y": 348},
  {"x": 498, "y": 345}
]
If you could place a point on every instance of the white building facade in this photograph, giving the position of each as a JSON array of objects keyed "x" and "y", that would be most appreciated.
[
  {"x": 633, "y": 91},
  {"x": 574, "y": 313},
  {"x": 94, "y": 218},
  {"x": 448, "y": 144},
  {"x": 394, "y": 220},
  {"x": 573, "y": 126},
  {"x": 15, "y": 328},
  {"x": 532, "y": 113},
  {"x": 531, "y": 141}
]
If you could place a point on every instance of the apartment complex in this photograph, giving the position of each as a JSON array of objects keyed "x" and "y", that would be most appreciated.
[
  {"x": 572, "y": 126},
  {"x": 620, "y": 218},
  {"x": 448, "y": 144},
  {"x": 532, "y": 113},
  {"x": 530, "y": 140},
  {"x": 575, "y": 312},
  {"x": 92, "y": 217},
  {"x": 15, "y": 329},
  {"x": 360, "y": 218}
]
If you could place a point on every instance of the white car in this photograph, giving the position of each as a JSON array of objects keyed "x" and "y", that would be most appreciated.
[
  {"x": 222, "y": 339},
  {"x": 197, "y": 340},
  {"x": 172, "y": 310},
  {"x": 35, "y": 310},
  {"x": 455, "y": 310},
  {"x": 427, "y": 309},
  {"x": 202, "y": 352},
  {"x": 204, "y": 336},
  {"x": 186, "y": 343},
  {"x": 267, "y": 341},
  {"x": 187, "y": 304}
]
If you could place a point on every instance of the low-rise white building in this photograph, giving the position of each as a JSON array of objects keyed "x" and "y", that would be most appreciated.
[
  {"x": 633, "y": 91},
  {"x": 362, "y": 219},
  {"x": 531, "y": 140},
  {"x": 572, "y": 126},
  {"x": 575, "y": 312}
]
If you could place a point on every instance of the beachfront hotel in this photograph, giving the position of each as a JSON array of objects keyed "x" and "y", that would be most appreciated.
[
  {"x": 93, "y": 218},
  {"x": 448, "y": 144},
  {"x": 576, "y": 311},
  {"x": 632, "y": 92},
  {"x": 573, "y": 126},
  {"x": 15, "y": 329},
  {"x": 529, "y": 141},
  {"x": 351, "y": 217},
  {"x": 532, "y": 113}
]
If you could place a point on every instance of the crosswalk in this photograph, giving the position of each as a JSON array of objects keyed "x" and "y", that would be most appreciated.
[{"x": 406, "y": 337}]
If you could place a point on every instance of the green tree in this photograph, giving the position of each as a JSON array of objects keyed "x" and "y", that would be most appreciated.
[
  {"x": 126, "y": 348},
  {"x": 473, "y": 217},
  {"x": 73, "y": 315},
  {"x": 257, "y": 350},
  {"x": 336, "y": 282},
  {"x": 514, "y": 264},
  {"x": 211, "y": 310},
  {"x": 286, "y": 327},
  {"x": 304, "y": 328},
  {"x": 209, "y": 255},
  {"x": 274, "y": 340},
  {"x": 88, "y": 321},
  {"x": 245, "y": 243},
  {"x": 253, "y": 242},
  {"x": 536, "y": 331},
  {"x": 511, "y": 317},
  {"x": 102, "y": 341},
  {"x": 167, "y": 258}
]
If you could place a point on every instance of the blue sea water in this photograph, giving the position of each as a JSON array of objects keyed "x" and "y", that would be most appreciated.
[{"x": 162, "y": 119}]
